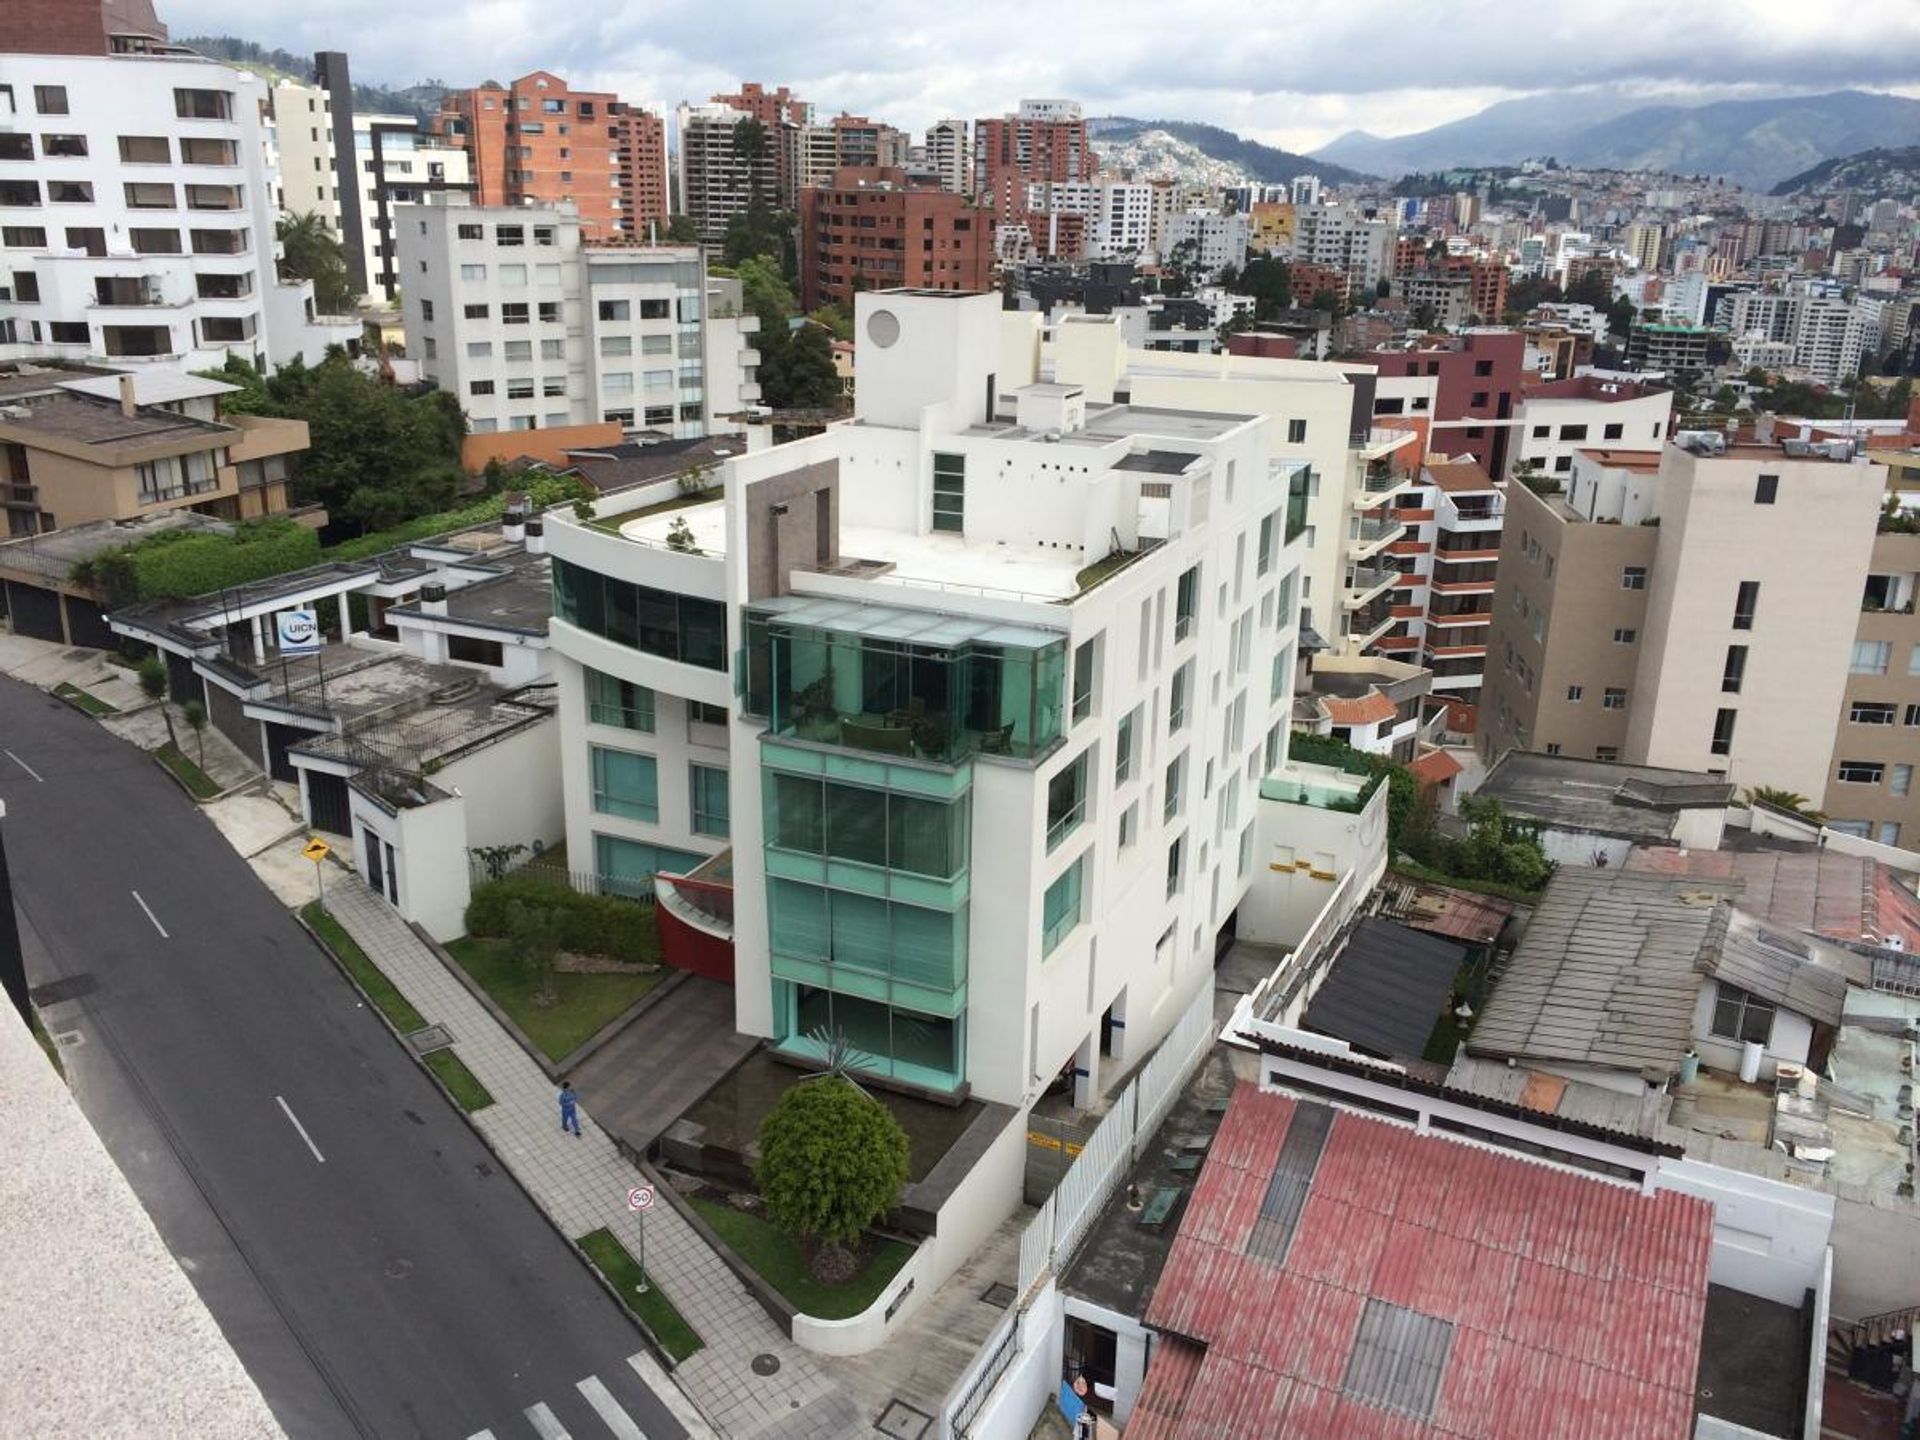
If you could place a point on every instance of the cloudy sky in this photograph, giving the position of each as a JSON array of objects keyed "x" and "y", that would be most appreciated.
[{"x": 1294, "y": 73}]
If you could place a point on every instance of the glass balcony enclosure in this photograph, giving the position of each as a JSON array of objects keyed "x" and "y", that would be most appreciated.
[{"x": 912, "y": 684}]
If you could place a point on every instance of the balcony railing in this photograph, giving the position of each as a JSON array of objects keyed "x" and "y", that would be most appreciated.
[{"x": 1373, "y": 530}]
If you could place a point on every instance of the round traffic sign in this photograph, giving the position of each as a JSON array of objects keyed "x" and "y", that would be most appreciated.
[{"x": 640, "y": 1197}]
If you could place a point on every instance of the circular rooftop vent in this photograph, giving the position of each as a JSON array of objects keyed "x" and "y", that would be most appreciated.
[{"x": 883, "y": 328}]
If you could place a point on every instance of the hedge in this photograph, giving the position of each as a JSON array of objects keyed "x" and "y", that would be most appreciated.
[
  {"x": 542, "y": 491},
  {"x": 590, "y": 924},
  {"x": 182, "y": 563}
]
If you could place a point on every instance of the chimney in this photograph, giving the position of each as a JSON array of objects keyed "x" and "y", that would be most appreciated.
[
  {"x": 433, "y": 598},
  {"x": 513, "y": 520},
  {"x": 127, "y": 406},
  {"x": 536, "y": 538}
]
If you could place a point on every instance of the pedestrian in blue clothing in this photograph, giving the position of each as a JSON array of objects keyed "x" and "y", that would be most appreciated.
[{"x": 569, "y": 1108}]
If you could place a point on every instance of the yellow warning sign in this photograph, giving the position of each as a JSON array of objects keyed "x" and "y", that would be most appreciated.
[{"x": 317, "y": 850}]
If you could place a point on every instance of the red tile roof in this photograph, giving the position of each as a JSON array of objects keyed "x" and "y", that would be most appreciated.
[
  {"x": 1577, "y": 1304},
  {"x": 1436, "y": 767},
  {"x": 1372, "y": 708}
]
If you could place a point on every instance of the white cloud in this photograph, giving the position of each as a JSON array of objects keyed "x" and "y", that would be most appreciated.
[{"x": 1294, "y": 73}]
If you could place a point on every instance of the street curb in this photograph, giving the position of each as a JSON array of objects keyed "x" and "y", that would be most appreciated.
[
  {"x": 659, "y": 1355},
  {"x": 779, "y": 1309},
  {"x": 474, "y": 988}
]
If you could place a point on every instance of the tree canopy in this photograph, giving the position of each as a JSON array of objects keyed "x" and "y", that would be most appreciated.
[
  {"x": 832, "y": 1160},
  {"x": 377, "y": 455},
  {"x": 309, "y": 250},
  {"x": 1267, "y": 280}
]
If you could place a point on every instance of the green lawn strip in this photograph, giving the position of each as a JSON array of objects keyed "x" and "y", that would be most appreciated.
[
  {"x": 611, "y": 1259},
  {"x": 92, "y": 704},
  {"x": 189, "y": 774},
  {"x": 776, "y": 1256},
  {"x": 586, "y": 1002},
  {"x": 369, "y": 976},
  {"x": 468, "y": 1092}
]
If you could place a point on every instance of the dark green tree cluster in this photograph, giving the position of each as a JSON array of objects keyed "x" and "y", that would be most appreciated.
[
  {"x": 377, "y": 455},
  {"x": 796, "y": 361},
  {"x": 1268, "y": 282}
]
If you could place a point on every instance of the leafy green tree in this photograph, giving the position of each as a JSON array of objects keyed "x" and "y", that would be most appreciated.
[
  {"x": 1268, "y": 282},
  {"x": 153, "y": 684},
  {"x": 836, "y": 319},
  {"x": 832, "y": 1160},
  {"x": 1328, "y": 301},
  {"x": 1621, "y": 314},
  {"x": 681, "y": 231},
  {"x": 802, "y": 375},
  {"x": 195, "y": 714},
  {"x": 377, "y": 456},
  {"x": 1498, "y": 848},
  {"x": 309, "y": 250}
]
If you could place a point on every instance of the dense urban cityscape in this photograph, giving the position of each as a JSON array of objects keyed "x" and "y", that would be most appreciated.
[{"x": 635, "y": 798}]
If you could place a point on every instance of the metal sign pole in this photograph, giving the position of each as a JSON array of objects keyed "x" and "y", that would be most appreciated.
[{"x": 642, "y": 1286}]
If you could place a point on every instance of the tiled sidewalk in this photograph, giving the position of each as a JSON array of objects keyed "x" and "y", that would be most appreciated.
[{"x": 582, "y": 1184}]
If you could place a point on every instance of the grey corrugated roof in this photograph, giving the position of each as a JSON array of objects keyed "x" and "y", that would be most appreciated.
[
  {"x": 1386, "y": 990},
  {"x": 1608, "y": 972},
  {"x": 1784, "y": 967}
]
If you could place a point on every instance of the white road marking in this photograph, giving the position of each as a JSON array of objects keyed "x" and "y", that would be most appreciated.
[
  {"x": 150, "y": 915},
  {"x": 662, "y": 1387},
  {"x": 26, "y": 767},
  {"x": 295, "y": 1119},
  {"x": 545, "y": 1422},
  {"x": 609, "y": 1409},
  {"x": 481, "y": 1435}
]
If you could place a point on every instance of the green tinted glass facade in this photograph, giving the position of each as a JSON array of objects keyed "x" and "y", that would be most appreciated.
[
  {"x": 917, "y": 686},
  {"x": 867, "y": 908},
  {"x": 658, "y": 622}
]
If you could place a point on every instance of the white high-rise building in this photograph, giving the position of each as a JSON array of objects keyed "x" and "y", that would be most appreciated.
[
  {"x": 508, "y": 309},
  {"x": 950, "y": 155},
  {"x": 137, "y": 208},
  {"x": 1306, "y": 190},
  {"x": 1344, "y": 238},
  {"x": 1217, "y": 241}
]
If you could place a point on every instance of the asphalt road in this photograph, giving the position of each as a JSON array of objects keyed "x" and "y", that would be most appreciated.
[{"x": 376, "y": 1270}]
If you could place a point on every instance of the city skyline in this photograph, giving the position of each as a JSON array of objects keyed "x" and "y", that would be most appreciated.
[{"x": 1299, "y": 85}]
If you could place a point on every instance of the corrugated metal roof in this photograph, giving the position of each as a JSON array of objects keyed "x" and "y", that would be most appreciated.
[
  {"x": 1571, "y": 1307},
  {"x": 1798, "y": 972},
  {"x": 1386, "y": 989},
  {"x": 1608, "y": 972}
]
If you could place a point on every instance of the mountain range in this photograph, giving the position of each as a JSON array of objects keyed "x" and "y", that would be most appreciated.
[
  {"x": 1756, "y": 143},
  {"x": 1877, "y": 174}
]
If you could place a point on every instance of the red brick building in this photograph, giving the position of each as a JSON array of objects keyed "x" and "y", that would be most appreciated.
[
  {"x": 1479, "y": 375},
  {"x": 1490, "y": 279},
  {"x": 79, "y": 27},
  {"x": 538, "y": 140},
  {"x": 1308, "y": 280},
  {"x": 1041, "y": 142},
  {"x": 873, "y": 230}
]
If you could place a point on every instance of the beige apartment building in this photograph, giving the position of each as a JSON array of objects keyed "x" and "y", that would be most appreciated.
[
  {"x": 1876, "y": 744},
  {"x": 1698, "y": 613}
]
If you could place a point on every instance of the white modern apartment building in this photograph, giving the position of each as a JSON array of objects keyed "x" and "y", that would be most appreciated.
[
  {"x": 137, "y": 208},
  {"x": 506, "y": 307},
  {"x": 1217, "y": 241},
  {"x": 1347, "y": 239},
  {"x": 1017, "y": 672},
  {"x": 1554, "y": 422}
]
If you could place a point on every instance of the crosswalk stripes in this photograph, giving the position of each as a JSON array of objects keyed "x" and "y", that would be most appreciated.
[
  {"x": 546, "y": 1421},
  {"x": 608, "y": 1409}
]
